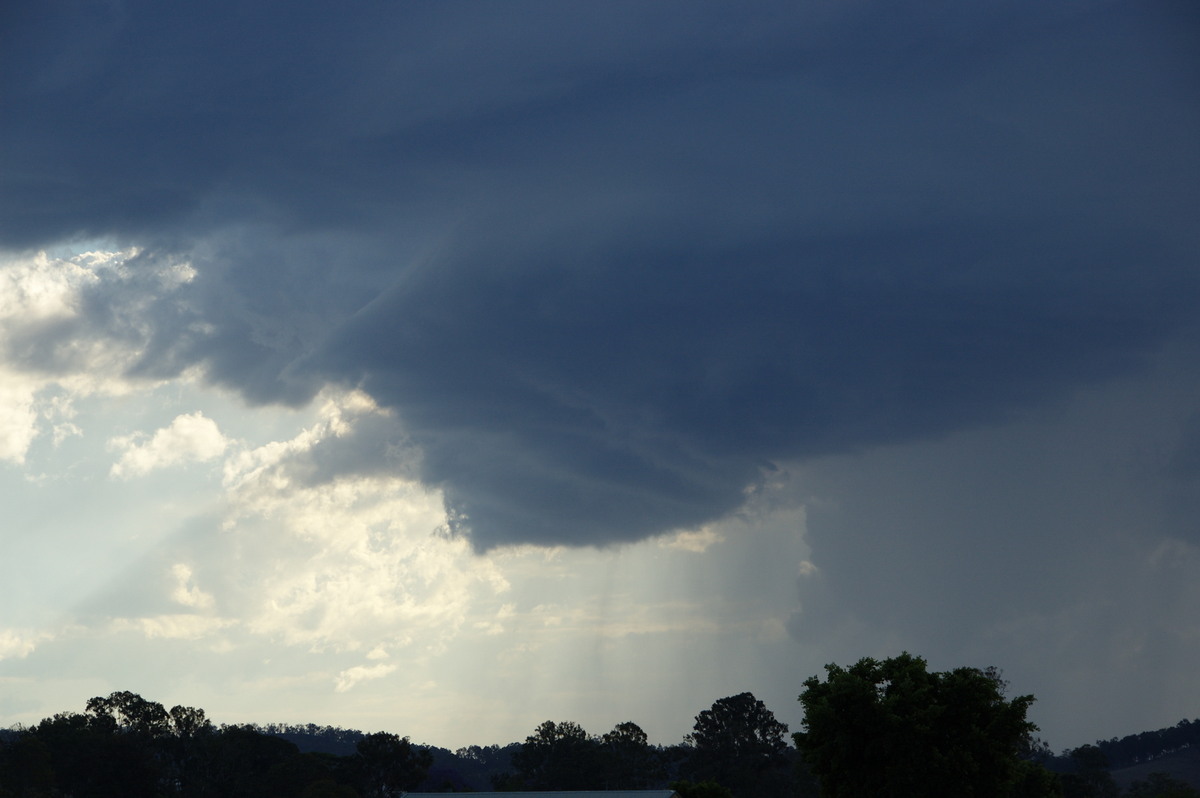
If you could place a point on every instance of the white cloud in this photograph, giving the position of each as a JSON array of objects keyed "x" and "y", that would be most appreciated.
[
  {"x": 267, "y": 469},
  {"x": 64, "y": 431},
  {"x": 362, "y": 561},
  {"x": 189, "y": 438},
  {"x": 308, "y": 569},
  {"x": 185, "y": 592},
  {"x": 361, "y": 673},
  {"x": 50, "y": 354},
  {"x": 18, "y": 645},
  {"x": 179, "y": 626},
  {"x": 698, "y": 540},
  {"x": 43, "y": 288},
  {"x": 356, "y": 562},
  {"x": 18, "y": 418}
]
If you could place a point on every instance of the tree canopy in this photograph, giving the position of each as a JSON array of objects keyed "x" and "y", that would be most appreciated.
[
  {"x": 739, "y": 744},
  {"x": 557, "y": 756},
  {"x": 884, "y": 729},
  {"x": 893, "y": 729},
  {"x": 562, "y": 756},
  {"x": 127, "y": 746}
]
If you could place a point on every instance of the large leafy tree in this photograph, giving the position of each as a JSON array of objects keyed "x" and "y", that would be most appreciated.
[
  {"x": 127, "y": 746},
  {"x": 91, "y": 756},
  {"x": 893, "y": 729},
  {"x": 739, "y": 744},
  {"x": 390, "y": 765},
  {"x": 558, "y": 756},
  {"x": 1089, "y": 776},
  {"x": 130, "y": 712},
  {"x": 629, "y": 763}
]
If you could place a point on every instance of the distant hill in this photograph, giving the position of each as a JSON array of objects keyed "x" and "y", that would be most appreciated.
[
  {"x": 467, "y": 769},
  {"x": 1174, "y": 750},
  {"x": 1135, "y": 749},
  {"x": 1183, "y": 765},
  {"x": 311, "y": 737}
]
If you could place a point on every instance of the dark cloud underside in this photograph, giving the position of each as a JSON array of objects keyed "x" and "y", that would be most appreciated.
[
  {"x": 609, "y": 264},
  {"x": 575, "y": 395}
]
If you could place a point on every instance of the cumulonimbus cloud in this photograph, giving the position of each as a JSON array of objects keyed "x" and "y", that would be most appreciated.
[{"x": 607, "y": 269}]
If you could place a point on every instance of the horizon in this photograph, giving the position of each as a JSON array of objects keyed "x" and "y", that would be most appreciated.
[
  {"x": 301, "y": 727},
  {"x": 682, "y": 740},
  {"x": 451, "y": 368}
]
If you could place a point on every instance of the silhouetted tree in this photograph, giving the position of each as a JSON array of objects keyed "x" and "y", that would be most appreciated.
[
  {"x": 629, "y": 762},
  {"x": 702, "y": 789},
  {"x": 130, "y": 712},
  {"x": 1089, "y": 776},
  {"x": 127, "y": 746},
  {"x": 557, "y": 756},
  {"x": 188, "y": 722},
  {"x": 894, "y": 729},
  {"x": 242, "y": 761},
  {"x": 389, "y": 765},
  {"x": 739, "y": 744},
  {"x": 474, "y": 767},
  {"x": 1141, "y": 747},
  {"x": 92, "y": 757},
  {"x": 26, "y": 768}
]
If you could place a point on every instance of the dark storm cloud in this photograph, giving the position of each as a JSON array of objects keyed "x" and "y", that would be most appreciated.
[
  {"x": 608, "y": 264},
  {"x": 637, "y": 390},
  {"x": 1062, "y": 546}
]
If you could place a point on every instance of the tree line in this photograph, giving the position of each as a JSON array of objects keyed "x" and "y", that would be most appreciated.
[
  {"x": 1146, "y": 746},
  {"x": 125, "y": 745},
  {"x": 875, "y": 729}
]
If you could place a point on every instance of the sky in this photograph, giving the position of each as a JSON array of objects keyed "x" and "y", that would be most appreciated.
[{"x": 447, "y": 368}]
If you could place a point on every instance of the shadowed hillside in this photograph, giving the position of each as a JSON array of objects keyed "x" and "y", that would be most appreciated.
[{"x": 1182, "y": 765}]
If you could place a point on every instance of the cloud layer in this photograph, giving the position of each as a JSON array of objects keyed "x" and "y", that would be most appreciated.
[{"x": 610, "y": 266}]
